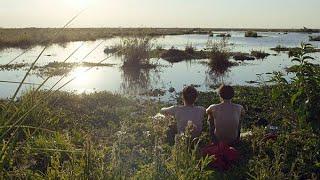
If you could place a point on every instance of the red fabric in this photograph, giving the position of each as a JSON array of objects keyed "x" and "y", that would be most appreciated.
[{"x": 224, "y": 155}]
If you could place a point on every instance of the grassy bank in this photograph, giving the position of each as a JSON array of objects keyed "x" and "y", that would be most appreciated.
[
  {"x": 107, "y": 135},
  {"x": 29, "y": 37}
]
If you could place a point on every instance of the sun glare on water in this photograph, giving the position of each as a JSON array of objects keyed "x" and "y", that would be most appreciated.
[{"x": 83, "y": 80}]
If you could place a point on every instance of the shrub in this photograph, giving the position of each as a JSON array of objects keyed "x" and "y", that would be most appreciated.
[
  {"x": 301, "y": 94},
  {"x": 251, "y": 34},
  {"x": 219, "y": 55},
  {"x": 190, "y": 49},
  {"x": 135, "y": 50},
  {"x": 242, "y": 56},
  {"x": 259, "y": 54},
  {"x": 314, "y": 38}
]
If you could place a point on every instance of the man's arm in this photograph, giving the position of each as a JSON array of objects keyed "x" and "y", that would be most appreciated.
[
  {"x": 210, "y": 112},
  {"x": 168, "y": 111},
  {"x": 240, "y": 121}
]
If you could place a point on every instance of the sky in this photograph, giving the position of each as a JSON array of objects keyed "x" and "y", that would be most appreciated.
[{"x": 161, "y": 13}]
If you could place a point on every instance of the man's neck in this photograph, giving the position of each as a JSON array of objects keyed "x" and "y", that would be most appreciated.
[
  {"x": 226, "y": 101},
  {"x": 189, "y": 105}
]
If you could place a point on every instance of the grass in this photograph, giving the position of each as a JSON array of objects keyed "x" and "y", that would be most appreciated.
[
  {"x": 61, "y": 135},
  {"x": 314, "y": 38},
  {"x": 292, "y": 50},
  {"x": 219, "y": 55},
  {"x": 175, "y": 55},
  {"x": 239, "y": 56},
  {"x": 86, "y": 133},
  {"x": 30, "y": 37},
  {"x": 223, "y": 35},
  {"x": 259, "y": 54},
  {"x": 135, "y": 51},
  {"x": 145, "y": 52},
  {"x": 12, "y": 67},
  {"x": 251, "y": 34},
  {"x": 63, "y": 68}
]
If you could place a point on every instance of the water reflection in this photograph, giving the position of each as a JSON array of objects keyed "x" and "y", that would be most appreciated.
[
  {"x": 216, "y": 76},
  {"x": 137, "y": 80}
]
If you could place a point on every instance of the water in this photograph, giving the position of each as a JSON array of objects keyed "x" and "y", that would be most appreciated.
[{"x": 176, "y": 75}]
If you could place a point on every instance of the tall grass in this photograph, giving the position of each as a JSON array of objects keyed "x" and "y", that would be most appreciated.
[
  {"x": 219, "y": 55},
  {"x": 136, "y": 50}
]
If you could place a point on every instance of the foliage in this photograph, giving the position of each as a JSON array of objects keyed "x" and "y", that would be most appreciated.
[
  {"x": 219, "y": 55},
  {"x": 135, "y": 50},
  {"x": 302, "y": 93},
  {"x": 251, "y": 34},
  {"x": 259, "y": 54}
]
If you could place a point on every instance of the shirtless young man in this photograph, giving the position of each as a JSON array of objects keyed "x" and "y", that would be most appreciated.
[{"x": 224, "y": 118}]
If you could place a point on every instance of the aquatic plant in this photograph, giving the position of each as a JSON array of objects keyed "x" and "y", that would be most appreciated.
[
  {"x": 190, "y": 49},
  {"x": 135, "y": 50},
  {"x": 10, "y": 67},
  {"x": 292, "y": 51},
  {"x": 219, "y": 55},
  {"x": 251, "y": 34},
  {"x": 62, "y": 68},
  {"x": 314, "y": 38},
  {"x": 223, "y": 35},
  {"x": 259, "y": 54},
  {"x": 239, "y": 56}
]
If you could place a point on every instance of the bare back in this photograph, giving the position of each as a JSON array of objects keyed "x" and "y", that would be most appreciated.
[{"x": 226, "y": 120}]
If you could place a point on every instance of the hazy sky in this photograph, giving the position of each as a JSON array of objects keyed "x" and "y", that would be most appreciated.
[{"x": 162, "y": 13}]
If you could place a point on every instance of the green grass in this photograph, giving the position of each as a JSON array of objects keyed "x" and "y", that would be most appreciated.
[{"x": 107, "y": 135}]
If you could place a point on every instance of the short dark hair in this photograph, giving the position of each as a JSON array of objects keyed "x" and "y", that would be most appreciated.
[
  {"x": 189, "y": 94},
  {"x": 226, "y": 92}
]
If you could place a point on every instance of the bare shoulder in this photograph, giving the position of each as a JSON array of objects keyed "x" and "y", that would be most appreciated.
[
  {"x": 238, "y": 106},
  {"x": 201, "y": 108},
  {"x": 211, "y": 107}
]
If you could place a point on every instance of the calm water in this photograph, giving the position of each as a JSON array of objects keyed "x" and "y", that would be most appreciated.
[{"x": 169, "y": 75}]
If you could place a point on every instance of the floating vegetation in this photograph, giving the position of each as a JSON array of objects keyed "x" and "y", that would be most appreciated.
[
  {"x": 251, "y": 34},
  {"x": 62, "y": 68},
  {"x": 219, "y": 55},
  {"x": 308, "y": 30},
  {"x": 111, "y": 50},
  {"x": 175, "y": 55},
  {"x": 314, "y": 38},
  {"x": 12, "y": 67},
  {"x": 154, "y": 93},
  {"x": 239, "y": 56},
  {"x": 223, "y": 35},
  {"x": 259, "y": 54},
  {"x": 292, "y": 51}
]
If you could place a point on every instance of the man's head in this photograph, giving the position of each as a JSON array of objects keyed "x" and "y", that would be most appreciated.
[
  {"x": 226, "y": 92},
  {"x": 189, "y": 95}
]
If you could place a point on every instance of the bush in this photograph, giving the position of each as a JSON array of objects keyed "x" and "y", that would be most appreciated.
[
  {"x": 135, "y": 50},
  {"x": 219, "y": 55},
  {"x": 302, "y": 93},
  {"x": 251, "y": 34},
  {"x": 314, "y": 38},
  {"x": 242, "y": 56},
  {"x": 259, "y": 54}
]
